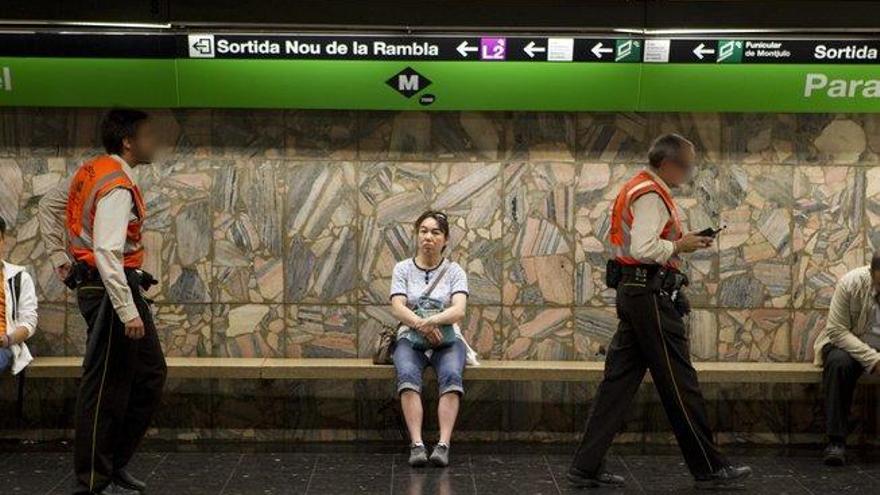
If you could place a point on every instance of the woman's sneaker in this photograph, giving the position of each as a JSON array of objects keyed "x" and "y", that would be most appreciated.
[
  {"x": 440, "y": 455},
  {"x": 418, "y": 455}
]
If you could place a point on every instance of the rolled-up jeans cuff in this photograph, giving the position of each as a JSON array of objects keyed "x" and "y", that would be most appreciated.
[
  {"x": 458, "y": 389},
  {"x": 409, "y": 386}
]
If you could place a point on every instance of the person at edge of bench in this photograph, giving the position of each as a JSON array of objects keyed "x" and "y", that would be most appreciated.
[
  {"x": 429, "y": 297},
  {"x": 847, "y": 348},
  {"x": 646, "y": 237},
  {"x": 102, "y": 210},
  {"x": 18, "y": 312}
]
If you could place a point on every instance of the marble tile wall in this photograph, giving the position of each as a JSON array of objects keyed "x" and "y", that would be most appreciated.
[{"x": 273, "y": 233}]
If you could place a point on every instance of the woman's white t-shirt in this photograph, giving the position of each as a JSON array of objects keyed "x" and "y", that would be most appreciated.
[{"x": 411, "y": 280}]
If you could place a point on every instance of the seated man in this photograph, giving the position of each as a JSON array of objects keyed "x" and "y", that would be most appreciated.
[
  {"x": 847, "y": 348},
  {"x": 18, "y": 312}
]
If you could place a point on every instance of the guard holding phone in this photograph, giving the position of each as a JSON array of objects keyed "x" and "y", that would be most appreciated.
[{"x": 646, "y": 235}]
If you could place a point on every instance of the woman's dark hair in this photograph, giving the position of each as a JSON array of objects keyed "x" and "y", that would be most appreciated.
[
  {"x": 119, "y": 124},
  {"x": 441, "y": 219},
  {"x": 2, "y": 227}
]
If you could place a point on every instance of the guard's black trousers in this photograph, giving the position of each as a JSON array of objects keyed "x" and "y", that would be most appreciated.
[
  {"x": 120, "y": 388},
  {"x": 840, "y": 375},
  {"x": 651, "y": 335}
]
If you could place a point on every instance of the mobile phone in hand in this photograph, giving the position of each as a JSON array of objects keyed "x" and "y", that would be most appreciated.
[{"x": 710, "y": 232}]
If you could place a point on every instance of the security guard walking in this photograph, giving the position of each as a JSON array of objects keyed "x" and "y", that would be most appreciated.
[
  {"x": 646, "y": 235},
  {"x": 103, "y": 210}
]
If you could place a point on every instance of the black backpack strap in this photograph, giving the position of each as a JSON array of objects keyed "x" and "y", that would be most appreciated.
[{"x": 15, "y": 285}]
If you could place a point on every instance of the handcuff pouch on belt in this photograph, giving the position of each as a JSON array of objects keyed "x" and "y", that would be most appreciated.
[
  {"x": 670, "y": 283},
  {"x": 613, "y": 273}
]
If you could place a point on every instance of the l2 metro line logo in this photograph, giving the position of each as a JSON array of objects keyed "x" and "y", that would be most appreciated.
[
  {"x": 5, "y": 79},
  {"x": 408, "y": 82}
]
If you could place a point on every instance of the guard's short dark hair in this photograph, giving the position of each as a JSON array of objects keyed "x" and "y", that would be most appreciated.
[
  {"x": 2, "y": 227},
  {"x": 875, "y": 262},
  {"x": 118, "y": 124},
  {"x": 667, "y": 147}
]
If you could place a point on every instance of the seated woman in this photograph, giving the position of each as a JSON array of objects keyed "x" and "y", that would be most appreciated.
[
  {"x": 429, "y": 298},
  {"x": 18, "y": 312}
]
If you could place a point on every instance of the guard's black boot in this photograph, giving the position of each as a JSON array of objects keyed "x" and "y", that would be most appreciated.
[
  {"x": 834, "y": 455},
  {"x": 580, "y": 479},
  {"x": 115, "y": 489},
  {"x": 726, "y": 477},
  {"x": 124, "y": 479}
]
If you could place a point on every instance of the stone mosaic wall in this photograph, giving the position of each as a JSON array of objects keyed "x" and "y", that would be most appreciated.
[{"x": 274, "y": 233}]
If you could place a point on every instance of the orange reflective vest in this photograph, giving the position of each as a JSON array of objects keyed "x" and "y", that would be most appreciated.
[
  {"x": 92, "y": 181},
  {"x": 622, "y": 218}
]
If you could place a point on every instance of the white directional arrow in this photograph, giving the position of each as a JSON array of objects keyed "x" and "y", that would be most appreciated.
[
  {"x": 598, "y": 50},
  {"x": 701, "y": 50},
  {"x": 531, "y": 49},
  {"x": 463, "y": 49}
]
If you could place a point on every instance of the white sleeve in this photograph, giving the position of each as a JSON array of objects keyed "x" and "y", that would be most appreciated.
[
  {"x": 649, "y": 217},
  {"x": 27, "y": 305},
  {"x": 398, "y": 281},
  {"x": 52, "y": 215},
  {"x": 111, "y": 226},
  {"x": 458, "y": 282}
]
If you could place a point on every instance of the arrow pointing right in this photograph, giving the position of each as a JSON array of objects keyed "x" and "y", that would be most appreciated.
[
  {"x": 531, "y": 49},
  {"x": 464, "y": 48},
  {"x": 598, "y": 50},
  {"x": 701, "y": 50}
]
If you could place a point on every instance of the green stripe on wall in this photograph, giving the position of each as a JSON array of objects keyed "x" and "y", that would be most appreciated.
[{"x": 360, "y": 85}]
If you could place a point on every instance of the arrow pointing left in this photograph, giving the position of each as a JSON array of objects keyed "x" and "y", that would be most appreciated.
[
  {"x": 464, "y": 48},
  {"x": 598, "y": 50},
  {"x": 531, "y": 49},
  {"x": 701, "y": 50},
  {"x": 203, "y": 46}
]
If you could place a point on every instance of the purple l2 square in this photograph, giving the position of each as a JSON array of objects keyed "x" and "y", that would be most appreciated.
[{"x": 493, "y": 48}]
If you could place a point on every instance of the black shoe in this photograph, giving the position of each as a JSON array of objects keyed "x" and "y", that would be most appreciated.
[
  {"x": 580, "y": 479},
  {"x": 726, "y": 477},
  {"x": 115, "y": 489},
  {"x": 834, "y": 455},
  {"x": 124, "y": 479}
]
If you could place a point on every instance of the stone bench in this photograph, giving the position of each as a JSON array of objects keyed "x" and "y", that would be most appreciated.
[
  {"x": 490, "y": 370},
  {"x": 364, "y": 369}
]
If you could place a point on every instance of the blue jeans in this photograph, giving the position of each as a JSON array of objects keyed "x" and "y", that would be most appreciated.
[
  {"x": 5, "y": 359},
  {"x": 448, "y": 362}
]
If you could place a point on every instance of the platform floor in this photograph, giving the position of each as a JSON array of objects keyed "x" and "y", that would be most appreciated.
[{"x": 381, "y": 469}]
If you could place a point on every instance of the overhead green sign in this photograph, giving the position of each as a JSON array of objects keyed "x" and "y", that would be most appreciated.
[{"x": 443, "y": 72}]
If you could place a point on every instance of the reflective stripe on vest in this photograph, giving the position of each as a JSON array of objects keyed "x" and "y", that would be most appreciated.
[
  {"x": 622, "y": 218},
  {"x": 92, "y": 181}
]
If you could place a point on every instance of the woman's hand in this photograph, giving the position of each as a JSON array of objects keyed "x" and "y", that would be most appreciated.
[
  {"x": 433, "y": 335},
  {"x": 430, "y": 330},
  {"x": 423, "y": 325}
]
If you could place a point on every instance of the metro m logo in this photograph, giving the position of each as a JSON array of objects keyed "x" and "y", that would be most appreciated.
[{"x": 408, "y": 82}]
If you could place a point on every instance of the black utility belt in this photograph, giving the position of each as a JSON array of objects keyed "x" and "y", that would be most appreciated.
[
  {"x": 657, "y": 278},
  {"x": 82, "y": 275}
]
